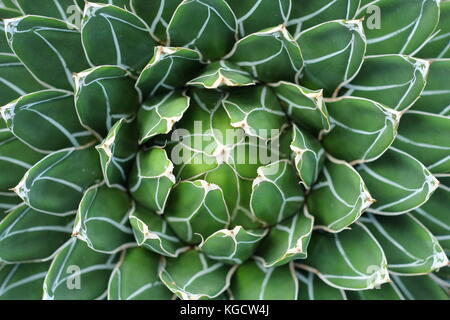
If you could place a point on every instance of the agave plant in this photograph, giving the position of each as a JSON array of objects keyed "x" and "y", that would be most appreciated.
[{"x": 225, "y": 149}]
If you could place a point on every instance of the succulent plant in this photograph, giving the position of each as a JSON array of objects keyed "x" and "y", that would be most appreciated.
[{"x": 225, "y": 149}]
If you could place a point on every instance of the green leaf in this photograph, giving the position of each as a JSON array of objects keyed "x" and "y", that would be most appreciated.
[
  {"x": 39, "y": 235},
  {"x": 339, "y": 198},
  {"x": 222, "y": 74},
  {"x": 151, "y": 179},
  {"x": 102, "y": 219},
  {"x": 420, "y": 288},
  {"x": 8, "y": 200},
  {"x": 136, "y": 277},
  {"x": 59, "y": 46},
  {"x": 388, "y": 291},
  {"x": 212, "y": 32},
  {"x": 152, "y": 232},
  {"x": 256, "y": 110},
  {"x": 15, "y": 79},
  {"x": 53, "y": 111},
  {"x": 404, "y": 27},
  {"x": 56, "y": 184},
  {"x": 434, "y": 213},
  {"x": 305, "y": 107},
  {"x": 436, "y": 96},
  {"x": 276, "y": 184},
  {"x": 111, "y": 90},
  {"x": 312, "y": 288},
  {"x": 252, "y": 281},
  {"x": 60, "y": 9},
  {"x": 193, "y": 276},
  {"x": 78, "y": 273},
  {"x": 350, "y": 260},
  {"x": 117, "y": 152},
  {"x": 439, "y": 47},
  {"x": 398, "y": 182},
  {"x": 196, "y": 210},
  {"x": 6, "y": 13},
  {"x": 170, "y": 68},
  {"x": 393, "y": 80},
  {"x": 15, "y": 159},
  {"x": 362, "y": 130},
  {"x": 232, "y": 246},
  {"x": 286, "y": 241},
  {"x": 22, "y": 281},
  {"x": 309, "y": 156},
  {"x": 425, "y": 136},
  {"x": 333, "y": 53},
  {"x": 156, "y": 15},
  {"x": 407, "y": 255},
  {"x": 255, "y": 15},
  {"x": 306, "y": 13},
  {"x": 114, "y": 36},
  {"x": 158, "y": 114},
  {"x": 269, "y": 55}
]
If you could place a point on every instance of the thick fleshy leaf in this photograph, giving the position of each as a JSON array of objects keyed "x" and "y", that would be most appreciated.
[
  {"x": 436, "y": 96},
  {"x": 232, "y": 246},
  {"x": 333, "y": 53},
  {"x": 439, "y": 46},
  {"x": 398, "y": 182},
  {"x": 22, "y": 281},
  {"x": 434, "y": 213},
  {"x": 170, "y": 68},
  {"x": 56, "y": 184},
  {"x": 222, "y": 74},
  {"x": 152, "y": 232},
  {"x": 157, "y": 115},
  {"x": 306, "y": 13},
  {"x": 269, "y": 55},
  {"x": 15, "y": 159},
  {"x": 114, "y": 36},
  {"x": 256, "y": 110},
  {"x": 426, "y": 137},
  {"x": 404, "y": 27},
  {"x": 313, "y": 288},
  {"x": 196, "y": 210},
  {"x": 309, "y": 156},
  {"x": 212, "y": 32},
  {"x": 15, "y": 79},
  {"x": 102, "y": 219},
  {"x": 54, "y": 113},
  {"x": 59, "y": 9},
  {"x": 420, "y": 288},
  {"x": 136, "y": 277},
  {"x": 193, "y": 276},
  {"x": 387, "y": 291},
  {"x": 256, "y": 15},
  {"x": 339, "y": 197},
  {"x": 8, "y": 200},
  {"x": 362, "y": 130},
  {"x": 117, "y": 152},
  {"x": 78, "y": 273},
  {"x": 252, "y": 281},
  {"x": 156, "y": 15},
  {"x": 151, "y": 179},
  {"x": 39, "y": 235},
  {"x": 57, "y": 50},
  {"x": 351, "y": 259},
  {"x": 405, "y": 254},
  {"x": 305, "y": 107},
  {"x": 276, "y": 193},
  {"x": 286, "y": 241},
  {"x": 6, "y": 13},
  {"x": 111, "y": 90},
  {"x": 393, "y": 80}
]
